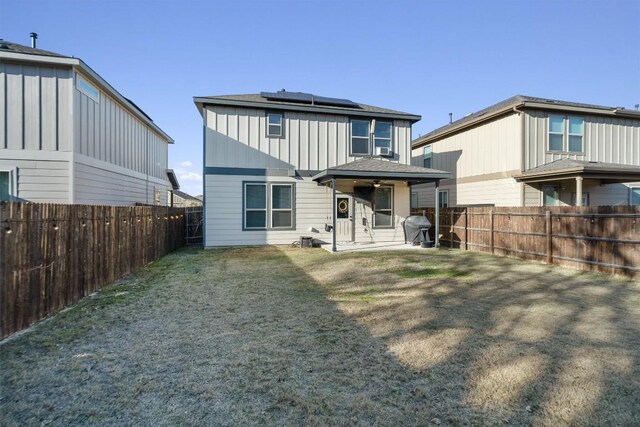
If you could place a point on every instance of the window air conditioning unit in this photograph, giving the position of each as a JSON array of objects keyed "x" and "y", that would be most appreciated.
[{"x": 383, "y": 151}]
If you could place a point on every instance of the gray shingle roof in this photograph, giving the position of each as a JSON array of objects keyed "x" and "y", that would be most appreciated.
[
  {"x": 506, "y": 105},
  {"x": 571, "y": 165},
  {"x": 7, "y": 46},
  {"x": 372, "y": 168},
  {"x": 256, "y": 98}
]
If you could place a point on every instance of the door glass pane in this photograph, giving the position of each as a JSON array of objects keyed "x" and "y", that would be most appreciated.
[
  {"x": 555, "y": 142},
  {"x": 382, "y": 219},
  {"x": 281, "y": 218},
  {"x": 281, "y": 197},
  {"x": 383, "y": 198},
  {"x": 556, "y": 124},
  {"x": 256, "y": 219},
  {"x": 256, "y": 196},
  {"x": 342, "y": 206},
  {"x": 4, "y": 186},
  {"x": 550, "y": 195}
]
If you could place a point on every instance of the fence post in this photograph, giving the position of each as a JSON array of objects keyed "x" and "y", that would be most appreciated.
[
  {"x": 465, "y": 230},
  {"x": 451, "y": 231},
  {"x": 491, "y": 232},
  {"x": 549, "y": 238}
]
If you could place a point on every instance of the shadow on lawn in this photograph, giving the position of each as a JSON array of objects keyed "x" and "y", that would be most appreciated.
[
  {"x": 510, "y": 341},
  {"x": 289, "y": 337}
]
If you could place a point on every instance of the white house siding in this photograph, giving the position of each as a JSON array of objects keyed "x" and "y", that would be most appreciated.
[
  {"x": 44, "y": 178},
  {"x": 497, "y": 192},
  {"x": 313, "y": 206},
  {"x": 101, "y": 183},
  {"x": 236, "y": 138}
]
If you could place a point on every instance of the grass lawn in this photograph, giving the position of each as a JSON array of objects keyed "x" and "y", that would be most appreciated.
[{"x": 286, "y": 336}]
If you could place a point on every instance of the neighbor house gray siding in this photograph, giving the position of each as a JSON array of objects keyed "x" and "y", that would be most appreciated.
[{"x": 236, "y": 137}]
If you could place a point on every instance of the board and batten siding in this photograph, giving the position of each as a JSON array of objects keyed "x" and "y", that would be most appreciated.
[
  {"x": 605, "y": 139},
  {"x": 313, "y": 209},
  {"x": 236, "y": 138},
  {"x": 107, "y": 131}
]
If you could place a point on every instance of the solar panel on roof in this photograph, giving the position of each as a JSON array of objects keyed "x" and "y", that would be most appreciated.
[{"x": 307, "y": 98}]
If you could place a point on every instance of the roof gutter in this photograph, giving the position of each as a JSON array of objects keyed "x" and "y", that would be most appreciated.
[{"x": 201, "y": 101}]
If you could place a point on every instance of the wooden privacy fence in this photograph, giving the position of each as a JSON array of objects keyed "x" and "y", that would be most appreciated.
[
  {"x": 53, "y": 255},
  {"x": 603, "y": 238}
]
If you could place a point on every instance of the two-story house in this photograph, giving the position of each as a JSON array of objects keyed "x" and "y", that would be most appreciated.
[
  {"x": 527, "y": 151},
  {"x": 282, "y": 165},
  {"x": 67, "y": 136}
]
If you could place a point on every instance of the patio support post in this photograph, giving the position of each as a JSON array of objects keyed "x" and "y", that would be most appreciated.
[
  {"x": 437, "y": 242},
  {"x": 333, "y": 215},
  {"x": 578, "y": 191}
]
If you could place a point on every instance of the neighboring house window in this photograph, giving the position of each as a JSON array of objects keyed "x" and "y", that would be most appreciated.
[
  {"x": 382, "y": 135},
  {"x": 281, "y": 205},
  {"x": 359, "y": 137},
  {"x": 585, "y": 199},
  {"x": 634, "y": 196},
  {"x": 274, "y": 125},
  {"x": 566, "y": 134},
  {"x": 88, "y": 89},
  {"x": 5, "y": 186},
  {"x": 383, "y": 207},
  {"x": 258, "y": 207},
  {"x": 414, "y": 200},
  {"x": 443, "y": 198},
  {"x": 550, "y": 195},
  {"x": 426, "y": 156}
]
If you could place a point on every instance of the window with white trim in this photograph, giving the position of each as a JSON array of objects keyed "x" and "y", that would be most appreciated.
[
  {"x": 360, "y": 137},
  {"x": 634, "y": 196},
  {"x": 268, "y": 206},
  {"x": 5, "y": 186},
  {"x": 443, "y": 198},
  {"x": 383, "y": 207},
  {"x": 427, "y": 156},
  {"x": 275, "y": 124},
  {"x": 87, "y": 88},
  {"x": 382, "y": 135},
  {"x": 566, "y": 134}
]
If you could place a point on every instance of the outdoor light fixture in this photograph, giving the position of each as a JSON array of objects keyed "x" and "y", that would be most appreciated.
[{"x": 376, "y": 183}]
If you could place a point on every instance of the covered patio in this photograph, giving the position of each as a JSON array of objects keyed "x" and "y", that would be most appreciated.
[
  {"x": 363, "y": 180},
  {"x": 577, "y": 175}
]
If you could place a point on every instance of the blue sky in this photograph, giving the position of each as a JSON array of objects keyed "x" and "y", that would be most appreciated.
[{"x": 424, "y": 57}]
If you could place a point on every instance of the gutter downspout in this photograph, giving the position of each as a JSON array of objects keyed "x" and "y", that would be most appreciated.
[
  {"x": 437, "y": 242},
  {"x": 333, "y": 215}
]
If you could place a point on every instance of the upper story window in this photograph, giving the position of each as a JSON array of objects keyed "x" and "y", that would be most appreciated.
[
  {"x": 360, "y": 137},
  {"x": 382, "y": 136},
  {"x": 275, "y": 125},
  {"x": 88, "y": 89},
  {"x": 426, "y": 156},
  {"x": 566, "y": 134}
]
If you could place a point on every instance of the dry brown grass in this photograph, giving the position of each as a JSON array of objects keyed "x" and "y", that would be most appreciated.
[{"x": 287, "y": 337}]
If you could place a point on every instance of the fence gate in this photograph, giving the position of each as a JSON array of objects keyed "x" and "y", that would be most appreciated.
[{"x": 193, "y": 225}]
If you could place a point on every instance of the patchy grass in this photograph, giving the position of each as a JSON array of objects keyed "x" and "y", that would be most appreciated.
[{"x": 286, "y": 336}]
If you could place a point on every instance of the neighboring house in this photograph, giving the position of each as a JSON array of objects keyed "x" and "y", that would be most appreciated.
[
  {"x": 67, "y": 136},
  {"x": 180, "y": 199},
  {"x": 527, "y": 151},
  {"x": 282, "y": 165}
]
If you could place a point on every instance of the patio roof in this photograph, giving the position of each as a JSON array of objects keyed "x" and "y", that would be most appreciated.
[
  {"x": 371, "y": 168},
  {"x": 570, "y": 168}
]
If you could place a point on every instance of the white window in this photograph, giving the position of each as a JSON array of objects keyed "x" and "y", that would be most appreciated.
[
  {"x": 382, "y": 135},
  {"x": 383, "y": 207},
  {"x": 426, "y": 156},
  {"x": 273, "y": 212},
  {"x": 634, "y": 196},
  {"x": 88, "y": 89},
  {"x": 360, "y": 137},
  {"x": 7, "y": 185},
  {"x": 274, "y": 125},
  {"x": 565, "y": 134},
  {"x": 443, "y": 198}
]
